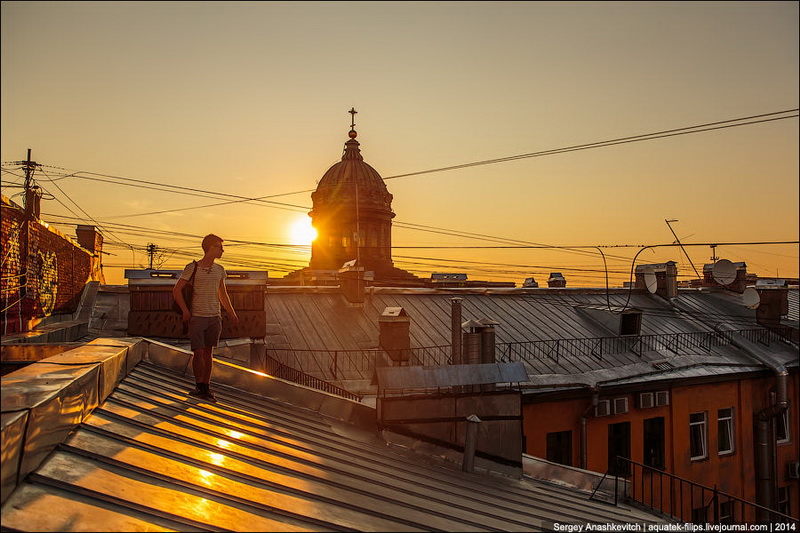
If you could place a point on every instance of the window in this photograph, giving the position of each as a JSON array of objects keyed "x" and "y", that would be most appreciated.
[
  {"x": 725, "y": 437},
  {"x": 782, "y": 427},
  {"x": 630, "y": 324},
  {"x": 698, "y": 436},
  {"x": 784, "y": 502},
  {"x": 654, "y": 442},
  {"x": 559, "y": 447}
]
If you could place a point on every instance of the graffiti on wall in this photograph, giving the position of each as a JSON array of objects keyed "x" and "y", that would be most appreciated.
[
  {"x": 14, "y": 279},
  {"x": 44, "y": 271},
  {"x": 47, "y": 280}
]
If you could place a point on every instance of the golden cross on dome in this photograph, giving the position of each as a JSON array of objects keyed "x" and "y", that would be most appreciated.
[{"x": 353, "y": 121}]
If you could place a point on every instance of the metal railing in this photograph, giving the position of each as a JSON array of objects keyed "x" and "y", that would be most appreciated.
[
  {"x": 685, "y": 500},
  {"x": 275, "y": 368},
  {"x": 356, "y": 364},
  {"x": 598, "y": 347},
  {"x": 360, "y": 364}
]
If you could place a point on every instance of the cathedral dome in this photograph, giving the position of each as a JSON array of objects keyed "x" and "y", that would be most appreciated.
[{"x": 351, "y": 179}]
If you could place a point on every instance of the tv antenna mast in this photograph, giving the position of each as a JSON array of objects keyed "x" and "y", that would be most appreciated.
[{"x": 677, "y": 240}]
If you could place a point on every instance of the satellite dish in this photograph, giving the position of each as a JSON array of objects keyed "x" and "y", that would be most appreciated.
[
  {"x": 750, "y": 298},
  {"x": 724, "y": 272},
  {"x": 651, "y": 282}
]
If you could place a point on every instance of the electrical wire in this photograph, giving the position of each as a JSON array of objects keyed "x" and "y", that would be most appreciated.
[
  {"x": 710, "y": 126},
  {"x": 611, "y": 142}
]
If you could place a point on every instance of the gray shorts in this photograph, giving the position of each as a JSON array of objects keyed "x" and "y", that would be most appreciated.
[{"x": 204, "y": 331}]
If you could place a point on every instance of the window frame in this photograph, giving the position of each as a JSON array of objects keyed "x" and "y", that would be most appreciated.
[
  {"x": 703, "y": 428},
  {"x": 729, "y": 422}
]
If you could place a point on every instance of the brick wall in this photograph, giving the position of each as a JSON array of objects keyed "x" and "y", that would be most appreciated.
[{"x": 43, "y": 270}]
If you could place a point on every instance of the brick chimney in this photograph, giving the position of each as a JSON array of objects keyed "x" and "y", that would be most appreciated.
[
  {"x": 352, "y": 283},
  {"x": 394, "y": 334},
  {"x": 92, "y": 240},
  {"x": 666, "y": 278},
  {"x": 556, "y": 280},
  {"x": 737, "y": 285},
  {"x": 89, "y": 238},
  {"x": 774, "y": 304}
]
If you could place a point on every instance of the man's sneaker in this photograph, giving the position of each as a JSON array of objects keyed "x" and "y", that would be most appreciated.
[
  {"x": 208, "y": 396},
  {"x": 196, "y": 392}
]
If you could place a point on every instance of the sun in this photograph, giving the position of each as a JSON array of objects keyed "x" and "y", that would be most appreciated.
[{"x": 302, "y": 232}]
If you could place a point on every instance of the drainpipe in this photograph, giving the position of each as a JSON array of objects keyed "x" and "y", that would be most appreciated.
[
  {"x": 586, "y": 414},
  {"x": 765, "y": 446},
  {"x": 455, "y": 331}
]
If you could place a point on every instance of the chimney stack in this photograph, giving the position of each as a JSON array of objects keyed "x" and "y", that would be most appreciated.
[
  {"x": 666, "y": 278},
  {"x": 773, "y": 305},
  {"x": 89, "y": 238},
  {"x": 737, "y": 285},
  {"x": 556, "y": 280},
  {"x": 394, "y": 334},
  {"x": 351, "y": 280}
]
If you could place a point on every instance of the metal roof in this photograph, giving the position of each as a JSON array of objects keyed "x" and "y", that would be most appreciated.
[
  {"x": 562, "y": 339},
  {"x": 149, "y": 456},
  {"x": 427, "y": 377}
]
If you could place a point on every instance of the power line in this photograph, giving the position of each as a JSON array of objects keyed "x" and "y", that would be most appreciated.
[
  {"x": 710, "y": 126},
  {"x": 161, "y": 187}
]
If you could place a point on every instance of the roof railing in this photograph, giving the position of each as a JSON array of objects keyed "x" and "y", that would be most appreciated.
[
  {"x": 335, "y": 365},
  {"x": 685, "y": 500}
]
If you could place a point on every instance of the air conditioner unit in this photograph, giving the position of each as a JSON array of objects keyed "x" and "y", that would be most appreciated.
[
  {"x": 620, "y": 406},
  {"x": 646, "y": 400},
  {"x": 794, "y": 470},
  {"x": 603, "y": 408},
  {"x": 662, "y": 398}
]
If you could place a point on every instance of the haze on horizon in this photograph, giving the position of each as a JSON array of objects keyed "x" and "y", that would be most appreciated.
[{"x": 250, "y": 100}]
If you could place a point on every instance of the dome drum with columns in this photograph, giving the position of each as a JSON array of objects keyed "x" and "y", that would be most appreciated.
[{"x": 352, "y": 213}]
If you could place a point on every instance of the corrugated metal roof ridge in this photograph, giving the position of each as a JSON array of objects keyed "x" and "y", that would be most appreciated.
[{"x": 149, "y": 457}]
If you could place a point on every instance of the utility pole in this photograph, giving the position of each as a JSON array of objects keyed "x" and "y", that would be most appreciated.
[
  {"x": 30, "y": 167},
  {"x": 151, "y": 251},
  {"x": 28, "y": 174}
]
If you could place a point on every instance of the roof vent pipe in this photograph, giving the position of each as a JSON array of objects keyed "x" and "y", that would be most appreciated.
[{"x": 455, "y": 331}]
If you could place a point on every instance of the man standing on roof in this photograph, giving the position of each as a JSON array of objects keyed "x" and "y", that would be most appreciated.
[{"x": 204, "y": 318}]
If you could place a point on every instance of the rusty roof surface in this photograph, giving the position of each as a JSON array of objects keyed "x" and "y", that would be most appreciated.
[{"x": 150, "y": 457}]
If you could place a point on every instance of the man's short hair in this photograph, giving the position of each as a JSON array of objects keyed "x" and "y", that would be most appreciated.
[{"x": 210, "y": 240}]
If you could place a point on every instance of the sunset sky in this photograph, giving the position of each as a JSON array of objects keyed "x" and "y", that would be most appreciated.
[{"x": 138, "y": 110}]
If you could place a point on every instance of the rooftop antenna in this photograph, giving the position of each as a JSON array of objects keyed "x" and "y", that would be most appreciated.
[
  {"x": 714, "y": 257},
  {"x": 352, "y": 134},
  {"x": 681, "y": 245}
]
